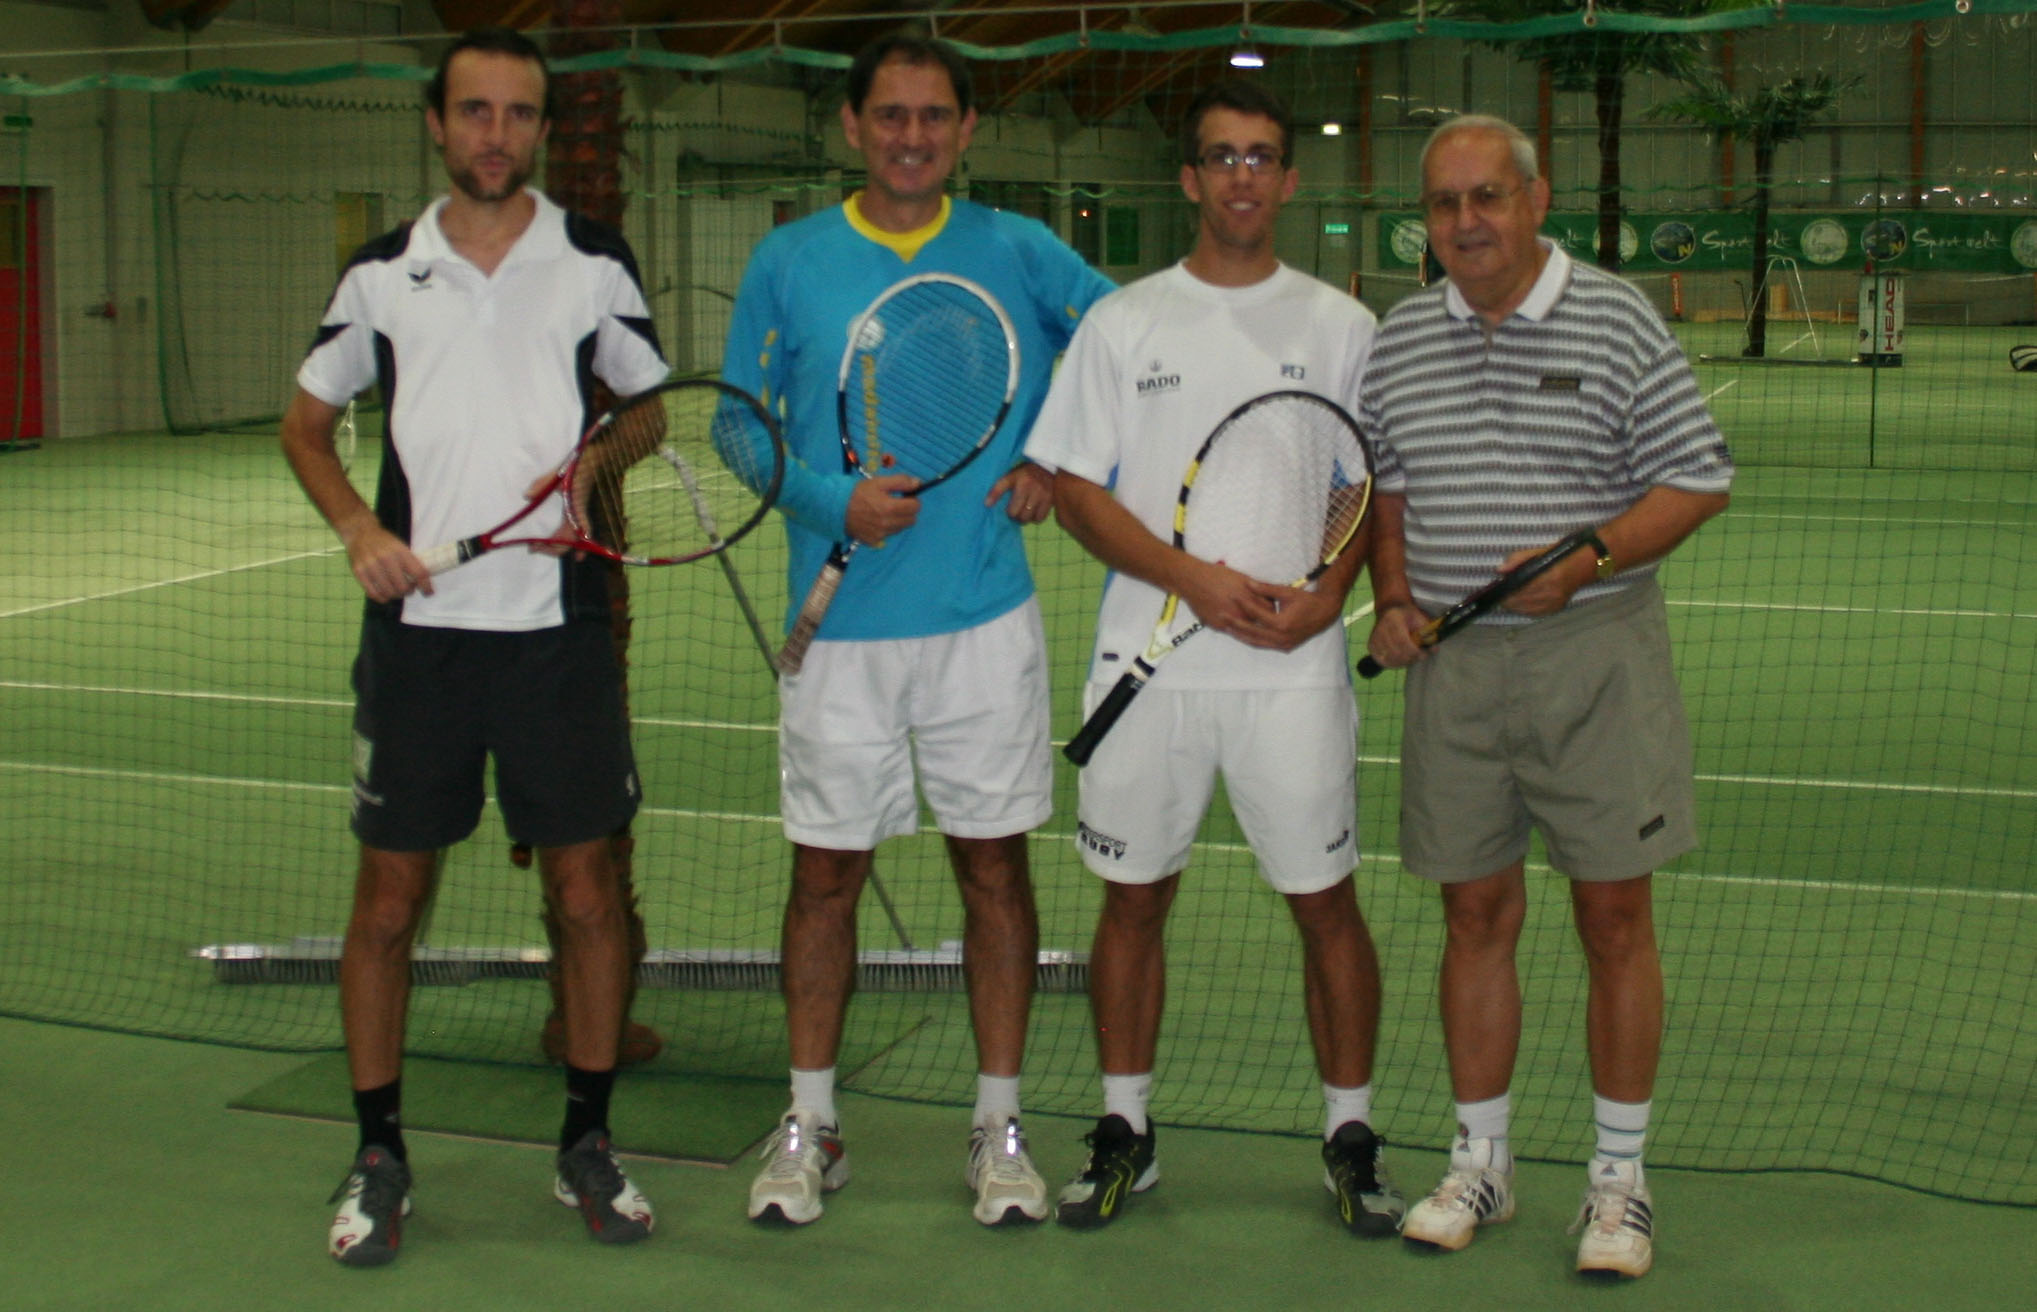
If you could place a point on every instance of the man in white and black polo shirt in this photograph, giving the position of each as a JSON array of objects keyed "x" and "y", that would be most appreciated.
[
  {"x": 487, "y": 322},
  {"x": 1525, "y": 398}
]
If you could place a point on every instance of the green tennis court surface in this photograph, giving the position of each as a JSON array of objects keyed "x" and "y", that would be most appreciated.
[
  {"x": 1848, "y": 953},
  {"x": 699, "y": 1118}
]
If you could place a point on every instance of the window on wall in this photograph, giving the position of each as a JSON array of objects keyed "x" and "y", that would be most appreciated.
[
  {"x": 12, "y": 213},
  {"x": 1085, "y": 222},
  {"x": 1121, "y": 235},
  {"x": 356, "y": 216},
  {"x": 1028, "y": 198}
]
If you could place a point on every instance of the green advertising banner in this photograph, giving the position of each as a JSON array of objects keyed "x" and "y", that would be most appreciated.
[{"x": 1914, "y": 240}]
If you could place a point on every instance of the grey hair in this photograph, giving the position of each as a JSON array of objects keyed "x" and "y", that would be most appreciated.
[{"x": 1518, "y": 145}]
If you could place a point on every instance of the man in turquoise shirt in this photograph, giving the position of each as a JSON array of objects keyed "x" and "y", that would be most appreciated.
[{"x": 932, "y": 650}]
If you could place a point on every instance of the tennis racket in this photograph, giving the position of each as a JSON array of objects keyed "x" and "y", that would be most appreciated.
[
  {"x": 1277, "y": 492},
  {"x": 346, "y": 438},
  {"x": 927, "y": 375},
  {"x": 1488, "y": 597},
  {"x": 670, "y": 475}
]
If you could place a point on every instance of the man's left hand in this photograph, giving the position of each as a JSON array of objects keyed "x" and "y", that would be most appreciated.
[{"x": 1032, "y": 493}]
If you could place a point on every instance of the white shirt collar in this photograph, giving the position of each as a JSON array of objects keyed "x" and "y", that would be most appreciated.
[
  {"x": 1541, "y": 298},
  {"x": 543, "y": 239}
]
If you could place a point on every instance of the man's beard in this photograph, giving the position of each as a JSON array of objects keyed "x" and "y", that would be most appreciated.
[{"x": 465, "y": 181}]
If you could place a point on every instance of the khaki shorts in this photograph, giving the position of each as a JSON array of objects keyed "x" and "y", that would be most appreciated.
[{"x": 1572, "y": 725}]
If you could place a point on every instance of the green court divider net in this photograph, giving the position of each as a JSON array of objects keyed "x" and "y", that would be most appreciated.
[{"x": 1848, "y": 954}]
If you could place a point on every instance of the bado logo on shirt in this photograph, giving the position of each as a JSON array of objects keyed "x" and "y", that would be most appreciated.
[{"x": 1156, "y": 382}]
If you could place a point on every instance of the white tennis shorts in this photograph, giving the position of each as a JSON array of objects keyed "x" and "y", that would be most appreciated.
[
  {"x": 969, "y": 707},
  {"x": 1289, "y": 762}
]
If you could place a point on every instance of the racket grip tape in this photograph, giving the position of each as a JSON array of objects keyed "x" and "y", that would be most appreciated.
[
  {"x": 437, "y": 560},
  {"x": 1083, "y": 745},
  {"x": 792, "y": 656},
  {"x": 1369, "y": 668}
]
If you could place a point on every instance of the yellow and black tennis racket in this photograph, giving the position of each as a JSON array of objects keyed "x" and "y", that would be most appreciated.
[{"x": 1277, "y": 492}]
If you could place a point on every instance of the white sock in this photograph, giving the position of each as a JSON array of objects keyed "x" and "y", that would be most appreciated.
[
  {"x": 997, "y": 1100},
  {"x": 1126, "y": 1096},
  {"x": 1489, "y": 1120},
  {"x": 1342, "y": 1105},
  {"x": 1622, "y": 1129},
  {"x": 813, "y": 1092}
]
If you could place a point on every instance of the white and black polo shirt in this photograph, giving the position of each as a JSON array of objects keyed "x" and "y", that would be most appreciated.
[{"x": 488, "y": 382}]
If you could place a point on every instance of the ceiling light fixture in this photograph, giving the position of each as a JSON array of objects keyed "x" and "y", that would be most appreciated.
[{"x": 1245, "y": 56}]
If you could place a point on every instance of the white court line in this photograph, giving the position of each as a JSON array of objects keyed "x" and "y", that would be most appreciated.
[
  {"x": 336, "y": 703},
  {"x": 1051, "y": 835},
  {"x": 1826, "y": 785},
  {"x": 739, "y": 726},
  {"x": 1860, "y": 786},
  {"x": 1838, "y": 886},
  {"x": 1880, "y": 521},
  {"x": 114, "y": 690},
  {"x": 199, "y": 577},
  {"x": 1854, "y": 610},
  {"x": 1751, "y": 780},
  {"x": 168, "y": 777}
]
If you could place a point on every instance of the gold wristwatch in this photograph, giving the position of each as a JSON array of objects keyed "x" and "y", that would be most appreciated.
[{"x": 1607, "y": 566}]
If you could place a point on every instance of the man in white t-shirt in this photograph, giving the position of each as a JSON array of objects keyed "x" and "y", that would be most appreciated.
[{"x": 1264, "y": 698}]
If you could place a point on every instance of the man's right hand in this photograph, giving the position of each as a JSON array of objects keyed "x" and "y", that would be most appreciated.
[
  {"x": 1394, "y": 643},
  {"x": 882, "y": 506},
  {"x": 384, "y": 565}
]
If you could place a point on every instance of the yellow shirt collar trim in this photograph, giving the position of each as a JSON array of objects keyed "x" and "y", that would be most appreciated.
[{"x": 906, "y": 244}]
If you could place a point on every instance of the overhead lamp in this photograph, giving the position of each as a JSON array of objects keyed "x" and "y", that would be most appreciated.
[
  {"x": 1247, "y": 57},
  {"x": 1333, "y": 129}
]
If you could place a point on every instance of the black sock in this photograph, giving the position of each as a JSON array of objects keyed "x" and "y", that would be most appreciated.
[
  {"x": 380, "y": 1114},
  {"x": 586, "y": 1103}
]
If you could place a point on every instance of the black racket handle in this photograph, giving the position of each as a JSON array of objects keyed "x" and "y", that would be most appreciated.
[
  {"x": 1490, "y": 596},
  {"x": 1083, "y": 745}
]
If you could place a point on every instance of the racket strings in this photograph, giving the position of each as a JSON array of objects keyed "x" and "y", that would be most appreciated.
[
  {"x": 1279, "y": 490},
  {"x": 677, "y": 476},
  {"x": 927, "y": 382}
]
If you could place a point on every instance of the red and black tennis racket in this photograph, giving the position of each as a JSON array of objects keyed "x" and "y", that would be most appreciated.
[
  {"x": 927, "y": 376},
  {"x": 672, "y": 474},
  {"x": 1490, "y": 596}
]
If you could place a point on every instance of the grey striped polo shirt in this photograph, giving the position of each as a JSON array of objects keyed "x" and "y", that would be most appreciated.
[{"x": 1559, "y": 418}]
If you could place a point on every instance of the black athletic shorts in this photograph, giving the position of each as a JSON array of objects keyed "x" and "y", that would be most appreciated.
[{"x": 432, "y": 704}]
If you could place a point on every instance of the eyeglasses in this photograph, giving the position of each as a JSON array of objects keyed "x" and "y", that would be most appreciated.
[
  {"x": 1485, "y": 201},
  {"x": 897, "y": 118},
  {"x": 1218, "y": 160}
]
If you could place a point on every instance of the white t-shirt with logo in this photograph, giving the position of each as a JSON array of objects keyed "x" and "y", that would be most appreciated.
[{"x": 1154, "y": 367}]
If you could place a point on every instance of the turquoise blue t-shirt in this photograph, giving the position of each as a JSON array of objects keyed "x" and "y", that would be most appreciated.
[{"x": 962, "y": 563}]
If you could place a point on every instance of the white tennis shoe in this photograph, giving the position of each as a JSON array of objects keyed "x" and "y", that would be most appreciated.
[
  {"x": 802, "y": 1161},
  {"x": 1618, "y": 1220},
  {"x": 1474, "y": 1193},
  {"x": 1001, "y": 1174}
]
